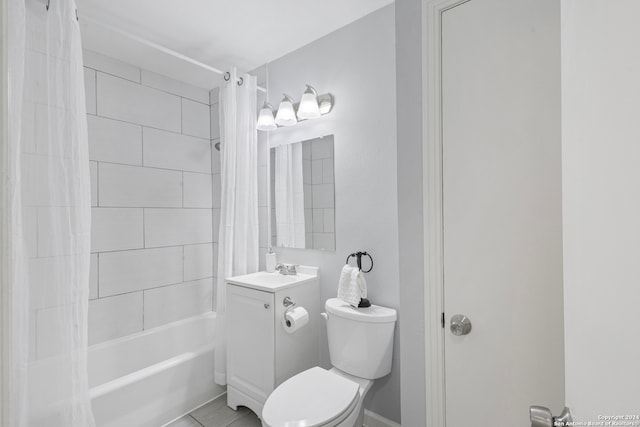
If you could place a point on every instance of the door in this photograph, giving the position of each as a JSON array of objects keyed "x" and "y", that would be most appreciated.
[
  {"x": 502, "y": 210},
  {"x": 250, "y": 347}
]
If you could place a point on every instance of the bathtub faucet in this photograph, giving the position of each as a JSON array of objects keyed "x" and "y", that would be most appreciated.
[{"x": 287, "y": 269}]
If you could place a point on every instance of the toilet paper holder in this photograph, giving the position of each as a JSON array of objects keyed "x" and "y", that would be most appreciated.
[{"x": 289, "y": 305}]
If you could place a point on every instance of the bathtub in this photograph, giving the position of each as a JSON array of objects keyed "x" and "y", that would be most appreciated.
[{"x": 150, "y": 378}]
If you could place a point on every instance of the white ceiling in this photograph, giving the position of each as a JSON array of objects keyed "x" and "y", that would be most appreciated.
[{"x": 220, "y": 33}]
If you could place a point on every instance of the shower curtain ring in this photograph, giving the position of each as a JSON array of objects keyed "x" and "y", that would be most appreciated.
[
  {"x": 241, "y": 80},
  {"x": 227, "y": 76}
]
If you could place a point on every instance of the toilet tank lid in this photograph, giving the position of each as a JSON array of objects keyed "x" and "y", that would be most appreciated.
[{"x": 372, "y": 314}]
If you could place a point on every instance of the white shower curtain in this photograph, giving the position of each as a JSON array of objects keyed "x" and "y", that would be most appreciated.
[
  {"x": 238, "y": 235},
  {"x": 47, "y": 180},
  {"x": 289, "y": 196}
]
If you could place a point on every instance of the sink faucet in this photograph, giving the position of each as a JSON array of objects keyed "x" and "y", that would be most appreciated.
[{"x": 287, "y": 269}]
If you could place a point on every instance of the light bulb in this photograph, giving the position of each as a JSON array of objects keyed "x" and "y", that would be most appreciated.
[
  {"x": 265, "y": 118},
  {"x": 308, "y": 108},
  {"x": 286, "y": 116}
]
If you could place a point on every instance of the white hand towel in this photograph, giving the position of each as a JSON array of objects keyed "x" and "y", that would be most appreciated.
[
  {"x": 357, "y": 277},
  {"x": 348, "y": 288}
]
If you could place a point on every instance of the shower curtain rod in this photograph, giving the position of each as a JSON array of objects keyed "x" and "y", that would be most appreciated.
[{"x": 158, "y": 47}]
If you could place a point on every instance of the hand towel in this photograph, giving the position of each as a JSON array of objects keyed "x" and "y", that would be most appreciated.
[{"x": 352, "y": 285}]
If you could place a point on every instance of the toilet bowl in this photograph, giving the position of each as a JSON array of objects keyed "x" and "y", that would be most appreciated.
[{"x": 360, "y": 346}]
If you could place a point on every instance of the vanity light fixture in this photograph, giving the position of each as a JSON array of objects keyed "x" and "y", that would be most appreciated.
[
  {"x": 265, "y": 118},
  {"x": 286, "y": 115},
  {"x": 289, "y": 113}
]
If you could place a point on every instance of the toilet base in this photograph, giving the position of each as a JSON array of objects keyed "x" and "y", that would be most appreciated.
[{"x": 356, "y": 418}]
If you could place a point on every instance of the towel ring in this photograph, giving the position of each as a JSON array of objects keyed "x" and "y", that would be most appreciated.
[{"x": 358, "y": 256}]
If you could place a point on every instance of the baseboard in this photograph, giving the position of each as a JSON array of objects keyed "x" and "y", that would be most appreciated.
[{"x": 371, "y": 419}]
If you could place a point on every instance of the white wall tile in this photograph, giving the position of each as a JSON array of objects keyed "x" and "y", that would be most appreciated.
[
  {"x": 114, "y": 141},
  {"x": 308, "y": 220},
  {"x": 171, "y": 303},
  {"x": 93, "y": 277},
  {"x": 132, "y": 186},
  {"x": 174, "y": 151},
  {"x": 214, "y": 95},
  {"x": 316, "y": 171},
  {"x": 216, "y": 224},
  {"x": 216, "y": 190},
  {"x": 323, "y": 196},
  {"x": 124, "y": 100},
  {"x": 90, "y": 90},
  {"x": 116, "y": 229},
  {"x": 306, "y": 171},
  {"x": 109, "y": 65},
  {"x": 329, "y": 220},
  {"x": 114, "y": 317},
  {"x": 197, "y": 190},
  {"x": 198, "y": 261},
  {"x": 327, "y": 171},
  {"x": 129, "y": 271},
  {"x": 175, "y": 87},
  {"x": 215, "y": 158},
  {"x": 322, "y": 149},
  {"x": 195, "y": 119},
  {"x": 215, "y": 121},
  {"x": 93, "y": 171},
  {"x": 318, "y": 220},
  {"x": 166, "y": 227}
]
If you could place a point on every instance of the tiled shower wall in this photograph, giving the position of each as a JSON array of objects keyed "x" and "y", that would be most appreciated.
[{"x": 155, "y": 195}]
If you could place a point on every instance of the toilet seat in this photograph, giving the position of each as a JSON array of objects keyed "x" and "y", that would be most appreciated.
[{"x": 315, "y": 397}]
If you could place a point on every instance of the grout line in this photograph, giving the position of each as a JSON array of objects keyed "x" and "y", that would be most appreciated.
[
  {"x": 153, "y": 167},
  {"x": 144, "y": 229},
  {"x": 141, "y": 83},
  {"x": 194, "y": 419},
  {"x": 147, "y": 126},
  {"x": 98, "y": 275},
  {"x": 95, "y": 89},
  {"x": 97, "y": 184},
  {"x": 182, "y": 116}
]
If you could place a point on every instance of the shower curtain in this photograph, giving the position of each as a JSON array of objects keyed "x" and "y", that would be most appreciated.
[
  {"x": 48, "y": 185},
  {"x": 289, "y": 196},
  {"x": 238, "y": 233}
]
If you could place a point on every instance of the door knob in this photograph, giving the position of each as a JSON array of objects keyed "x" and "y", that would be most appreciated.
[
  {"x": 541, "y": 417},
  {"x": 460, "y": 325}
]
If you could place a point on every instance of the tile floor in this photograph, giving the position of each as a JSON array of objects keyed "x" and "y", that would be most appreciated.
[{"x": 217, "y": 414}]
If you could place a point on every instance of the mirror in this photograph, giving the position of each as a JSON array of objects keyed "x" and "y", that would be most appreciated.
[{"x": 303, "y": 195}]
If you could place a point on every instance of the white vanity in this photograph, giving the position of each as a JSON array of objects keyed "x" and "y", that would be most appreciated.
[{"x": 261, "y": 354}]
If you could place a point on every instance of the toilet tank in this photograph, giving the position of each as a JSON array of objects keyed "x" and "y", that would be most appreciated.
[{"x": 360, "y": 339}]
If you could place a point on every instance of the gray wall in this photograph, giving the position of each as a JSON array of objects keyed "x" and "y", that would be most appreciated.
[
  {"x": 410, "y": 214},
  {"x": 357, "y": 65}
]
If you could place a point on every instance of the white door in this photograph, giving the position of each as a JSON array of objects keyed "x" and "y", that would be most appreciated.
[{"x": 502, "y": 210}]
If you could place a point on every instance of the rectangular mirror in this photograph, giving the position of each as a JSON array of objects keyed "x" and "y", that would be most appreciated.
[{"x": 303, "y": 195}]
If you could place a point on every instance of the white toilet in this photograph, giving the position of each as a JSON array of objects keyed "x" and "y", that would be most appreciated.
[{"x": 360, "y": 346}]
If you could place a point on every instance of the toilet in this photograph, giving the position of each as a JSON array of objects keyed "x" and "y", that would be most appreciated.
[{"x": 361, "y": 348}]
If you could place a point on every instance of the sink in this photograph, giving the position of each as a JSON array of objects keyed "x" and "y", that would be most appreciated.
[{"x": 272, "y": 282}]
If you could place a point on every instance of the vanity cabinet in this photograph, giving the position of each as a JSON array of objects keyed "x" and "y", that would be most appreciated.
[{"x": 261, "y": 354}]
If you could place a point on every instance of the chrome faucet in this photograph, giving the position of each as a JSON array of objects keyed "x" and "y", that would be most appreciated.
[{"x": 287, "y": 269}]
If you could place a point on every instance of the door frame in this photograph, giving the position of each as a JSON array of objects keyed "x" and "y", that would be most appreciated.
[
  {"x": 432, "y": 11},
  {"x": 5, "y": 264}
]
